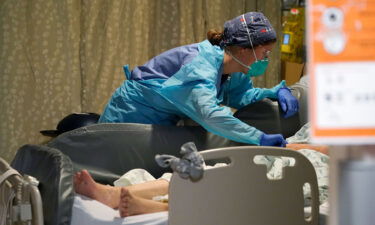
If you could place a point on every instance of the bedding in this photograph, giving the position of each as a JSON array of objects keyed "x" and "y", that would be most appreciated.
[
  {"x": 91, "y": 212},
  {"x": 320, "y": 161}
]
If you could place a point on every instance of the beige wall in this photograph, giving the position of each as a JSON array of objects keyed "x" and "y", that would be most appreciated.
[{"x": 64, "y": 56}]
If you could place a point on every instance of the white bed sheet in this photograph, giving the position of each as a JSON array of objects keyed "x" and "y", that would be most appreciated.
[{"x": 87, "y": 211}]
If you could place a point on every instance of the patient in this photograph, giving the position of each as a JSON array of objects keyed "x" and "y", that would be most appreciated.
[
  {"x": 138, "y": 199},
  {"x": 130, "y": 200},
  {"x": 319, "y": 148}
]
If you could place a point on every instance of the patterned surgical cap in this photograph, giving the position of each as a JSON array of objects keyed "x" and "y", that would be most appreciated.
[{"x": 260, "y": 29}]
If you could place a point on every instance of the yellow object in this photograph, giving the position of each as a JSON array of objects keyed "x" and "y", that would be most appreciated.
[
  {"x": 287, "y": 39},
  {"x": 293, "y": 36}
]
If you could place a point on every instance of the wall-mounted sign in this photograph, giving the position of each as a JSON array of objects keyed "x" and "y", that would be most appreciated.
[{"x": 341, "y": 64}]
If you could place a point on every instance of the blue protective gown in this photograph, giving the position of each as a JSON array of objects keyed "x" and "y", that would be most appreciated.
[{"x": 186, "y": 82}]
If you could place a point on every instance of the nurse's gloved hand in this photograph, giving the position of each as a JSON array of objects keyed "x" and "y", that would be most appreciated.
[
  {"x": 273, "y": 140},
  {"x": 288, "y": 103}
]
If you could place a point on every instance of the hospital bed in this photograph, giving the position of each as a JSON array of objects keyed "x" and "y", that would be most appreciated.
[
  {"x": 109, "y": 150},
  {"x": 238, "y": 193},
  {"x": 241, "y": 193}
]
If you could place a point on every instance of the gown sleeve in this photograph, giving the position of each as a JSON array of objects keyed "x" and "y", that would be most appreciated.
[
  {"x": 239, "y": 91},
  {"x": 195, "y": 96}
]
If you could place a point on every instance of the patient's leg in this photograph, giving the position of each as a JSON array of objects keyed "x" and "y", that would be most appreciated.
[
  {"x": 85, "y": 185},
  {"x": 320, "y": 148},
  {"x": 131, "y": 204},
  {"x": 149, "y": 189}
]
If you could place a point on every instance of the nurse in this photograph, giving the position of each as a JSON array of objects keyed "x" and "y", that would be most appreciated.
[{"x": 197, "y": 80}]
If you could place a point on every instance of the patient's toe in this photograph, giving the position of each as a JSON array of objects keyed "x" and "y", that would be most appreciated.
[
  {"x": 86, "y": 177},
  {"x": 83, "y": 183},
  {"x": 124, "y": 202}
]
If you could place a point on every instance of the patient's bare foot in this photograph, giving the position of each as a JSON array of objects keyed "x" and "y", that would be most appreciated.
[
  {"x": 85, "y": 185},
  {"x": 132, "y": 205}
]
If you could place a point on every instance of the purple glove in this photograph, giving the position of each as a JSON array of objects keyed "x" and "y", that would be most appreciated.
[
  {"x": 273, "y": 140},
  {"x": 288, "y": 103}
]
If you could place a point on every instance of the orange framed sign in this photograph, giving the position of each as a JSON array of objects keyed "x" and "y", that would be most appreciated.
[{"x": 341, "y": 64}]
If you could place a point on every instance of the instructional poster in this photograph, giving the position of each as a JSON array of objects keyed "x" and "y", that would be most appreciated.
[{"x": 341, "y": 64}]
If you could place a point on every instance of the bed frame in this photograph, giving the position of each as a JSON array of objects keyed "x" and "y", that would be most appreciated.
[{"x": 241, "y": 193}]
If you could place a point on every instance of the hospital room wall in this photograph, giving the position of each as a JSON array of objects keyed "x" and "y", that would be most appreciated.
[{"x": 64, "y": 56}]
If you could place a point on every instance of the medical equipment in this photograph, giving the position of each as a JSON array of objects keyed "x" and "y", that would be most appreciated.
[
  {"x": 293, "y": 36},
  {"x": 20, "y": 201}
]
